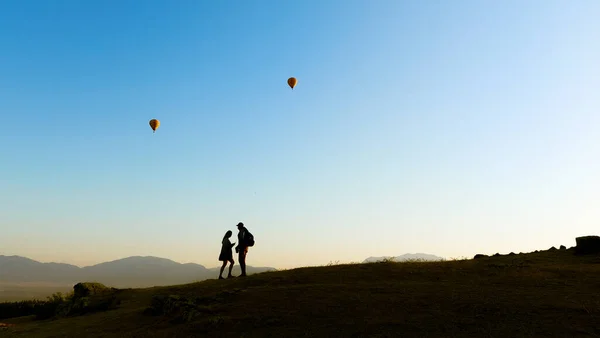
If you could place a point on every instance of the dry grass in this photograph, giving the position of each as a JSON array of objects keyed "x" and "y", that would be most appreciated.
[{"x": 549, "y": 294}]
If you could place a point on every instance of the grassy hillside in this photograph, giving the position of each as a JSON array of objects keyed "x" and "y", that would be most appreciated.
[{"x": 550, "y": 294}]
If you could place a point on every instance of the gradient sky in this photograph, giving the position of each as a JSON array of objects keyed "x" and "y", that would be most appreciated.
[{"x": 445, "y": 127}]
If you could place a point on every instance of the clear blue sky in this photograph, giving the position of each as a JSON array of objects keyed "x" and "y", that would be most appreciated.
[{"x": 446, "y": 127}]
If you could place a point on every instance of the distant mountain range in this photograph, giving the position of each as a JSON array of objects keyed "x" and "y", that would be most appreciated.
[
  {"x": 130, "y": 272},
  {"x": 405, "y": 257}
]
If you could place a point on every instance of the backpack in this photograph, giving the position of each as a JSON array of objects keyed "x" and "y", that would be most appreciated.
[{"x": 249, "y": 238}]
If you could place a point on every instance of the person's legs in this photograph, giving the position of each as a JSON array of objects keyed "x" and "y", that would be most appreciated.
[
  {"x": 222, "y": 268},
  {"x": 230, "y": 268},
  {"x": 243, "y": 261}
]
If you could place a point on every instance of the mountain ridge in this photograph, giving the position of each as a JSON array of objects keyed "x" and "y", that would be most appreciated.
[
  {"x": 133, "y": 271},
  {"x": 405, "y": 257}
]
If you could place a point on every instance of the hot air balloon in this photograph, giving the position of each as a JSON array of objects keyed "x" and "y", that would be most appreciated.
[
  {"x": 154, "y": 124},
  {"x": 292, "y": 82}
]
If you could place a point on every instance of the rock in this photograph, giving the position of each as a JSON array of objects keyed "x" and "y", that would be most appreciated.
[
  {"x": 512, "y": 254},
  {"x": 81, "y": 290},
  {"x": 587, "y": 245},
  {"x": 562, "y": 247},
  {"x": 552, "y": 249},
  {"x": 480, "y": 256},
  {"x": 89, "y": 298},
  {"x": 496, "y": 254}
]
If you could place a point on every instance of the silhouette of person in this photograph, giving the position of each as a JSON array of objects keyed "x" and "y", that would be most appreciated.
[
  {"x": 242, "y": 247},
  {"x": 226, "y": 255}
]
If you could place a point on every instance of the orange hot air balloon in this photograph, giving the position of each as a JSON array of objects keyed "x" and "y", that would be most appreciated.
[
  {"x": 154, "y": 124},
  {"x": 292, "y": 82}
]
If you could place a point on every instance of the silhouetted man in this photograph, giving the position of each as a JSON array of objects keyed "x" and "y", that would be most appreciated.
[{"x": 242, "y": 247}]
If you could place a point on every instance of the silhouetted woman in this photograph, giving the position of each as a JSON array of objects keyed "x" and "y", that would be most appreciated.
[{"x": 226, "y": 255}]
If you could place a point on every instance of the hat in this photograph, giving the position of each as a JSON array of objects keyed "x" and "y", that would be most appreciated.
[{"x": 240, "y": 224}]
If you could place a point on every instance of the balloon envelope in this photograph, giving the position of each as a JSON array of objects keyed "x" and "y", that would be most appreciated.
[
  {"x": 292, "y": 82},
  {"x": 154, "y": 124}
]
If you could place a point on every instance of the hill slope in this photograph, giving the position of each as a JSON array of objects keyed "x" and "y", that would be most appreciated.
[{"x": 550, "y": 294}]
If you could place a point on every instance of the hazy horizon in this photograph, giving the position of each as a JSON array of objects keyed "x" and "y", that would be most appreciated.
[
  {"x": 446, "y": 128},
  {"x": 217, "y": 264}
]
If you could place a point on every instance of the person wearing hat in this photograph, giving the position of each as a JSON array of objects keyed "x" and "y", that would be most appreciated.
[{"x": 242, "y": 247}]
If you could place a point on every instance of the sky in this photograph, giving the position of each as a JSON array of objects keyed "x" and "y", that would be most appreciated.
[{"x": 444, "y": 127}]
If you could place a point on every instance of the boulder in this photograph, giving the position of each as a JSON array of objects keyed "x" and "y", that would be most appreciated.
[
  {"x": 480, "y": 256},
  {"x": 87, "y": 289},
  {"x": 88, "y": 298},
  {"x": 562, "y": 247},
  {"x": 587, "y": 245},
  {"x": 552, "y": 249}
]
